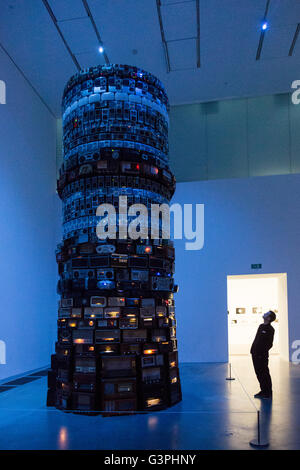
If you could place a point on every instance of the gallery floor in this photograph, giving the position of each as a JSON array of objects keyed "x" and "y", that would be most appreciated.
[{"x": 214, "y": 414}]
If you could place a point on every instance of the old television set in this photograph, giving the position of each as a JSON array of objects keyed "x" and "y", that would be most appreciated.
[
  {"x": 119, "y": 388},
  {"x": 118, "y": 366},
  {"x": 85, "y": 365},
  {"x": 134, "y": 336},
  {"x": 83, "y": 336},
  {"x": 107, "y": 336},
  {"x": 151, "y": 375}
]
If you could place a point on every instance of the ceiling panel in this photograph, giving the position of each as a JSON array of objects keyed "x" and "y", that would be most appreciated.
[
  {"x": 89, "y": 59},
  {"x": 283, "y": 12},
  {"x": 67, "y": 9},
  {"x": 166, "y": 2},
  {"x": 130, "y": 32},
  {"x": 182, "y": 54},
  {"x": 277, "y": 41},
  {"x": 228, "y": 44},
  {"x": 80, "y": 35},
  {"x": 172, "y": 2},
  {"x": 179, "y": 20}
]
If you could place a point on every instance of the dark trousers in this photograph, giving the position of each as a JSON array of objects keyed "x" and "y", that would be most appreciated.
[{"x": 261, "y": 367}]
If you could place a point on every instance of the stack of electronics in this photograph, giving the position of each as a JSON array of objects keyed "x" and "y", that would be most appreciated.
[{"x": 116, "y": 350}]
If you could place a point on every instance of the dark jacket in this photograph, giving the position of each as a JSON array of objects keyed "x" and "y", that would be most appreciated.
[{"x": 263, "y": 340}]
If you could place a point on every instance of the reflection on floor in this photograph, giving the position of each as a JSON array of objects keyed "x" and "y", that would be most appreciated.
[{"x": 214, "y": 414}]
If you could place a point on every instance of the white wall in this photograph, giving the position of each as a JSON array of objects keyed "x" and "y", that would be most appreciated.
[
  {"x": 252, "y": 220},
  {"x": 28, "y": 215}
]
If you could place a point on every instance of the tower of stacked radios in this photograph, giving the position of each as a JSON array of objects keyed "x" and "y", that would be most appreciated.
[{"x": 116, "y": 350}]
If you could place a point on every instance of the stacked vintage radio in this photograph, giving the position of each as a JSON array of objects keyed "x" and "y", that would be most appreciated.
[{"x": 116, "y": 350}]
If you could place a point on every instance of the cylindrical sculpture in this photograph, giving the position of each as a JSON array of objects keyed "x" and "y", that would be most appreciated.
[{"x": 116, "y": 351}]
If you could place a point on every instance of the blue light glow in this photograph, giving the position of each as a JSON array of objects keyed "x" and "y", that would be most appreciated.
[
  {"x": 101, "y": 49},
  {"x": 264, "y": 26}
]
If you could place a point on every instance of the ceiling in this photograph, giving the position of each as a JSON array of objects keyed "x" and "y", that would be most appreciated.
[{"x": 202, "y": 50}]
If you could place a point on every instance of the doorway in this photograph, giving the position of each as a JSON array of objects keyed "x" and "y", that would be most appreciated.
[{"x": 248, "y": 298}]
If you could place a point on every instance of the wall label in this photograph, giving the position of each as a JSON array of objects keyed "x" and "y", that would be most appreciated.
[
  {"x": 2, "y": 92},
  {"x": 256, "y": 266},
  {"x": 2, "y": 352}
]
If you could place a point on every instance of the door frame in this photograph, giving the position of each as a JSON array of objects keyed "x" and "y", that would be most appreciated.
[{"x": 283, "y": 330}]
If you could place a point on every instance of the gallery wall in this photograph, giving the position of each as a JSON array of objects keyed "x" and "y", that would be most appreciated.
[
  {"x": 247, "y": 221},
  {"x": 235, "y": 138},
  {"x": 28, "y": 222}
]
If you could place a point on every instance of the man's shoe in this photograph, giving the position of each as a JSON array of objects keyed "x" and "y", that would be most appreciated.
[{"x": 263, "y": 396}]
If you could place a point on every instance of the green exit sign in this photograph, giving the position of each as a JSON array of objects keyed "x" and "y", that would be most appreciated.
[{"x": 256, "y": 266}]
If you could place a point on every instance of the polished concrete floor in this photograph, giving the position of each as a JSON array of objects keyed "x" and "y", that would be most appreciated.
[{"x": 214, "y": 414}]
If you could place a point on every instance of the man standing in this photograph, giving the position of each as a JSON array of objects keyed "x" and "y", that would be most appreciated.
[{"x": 260, "y": 354}]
